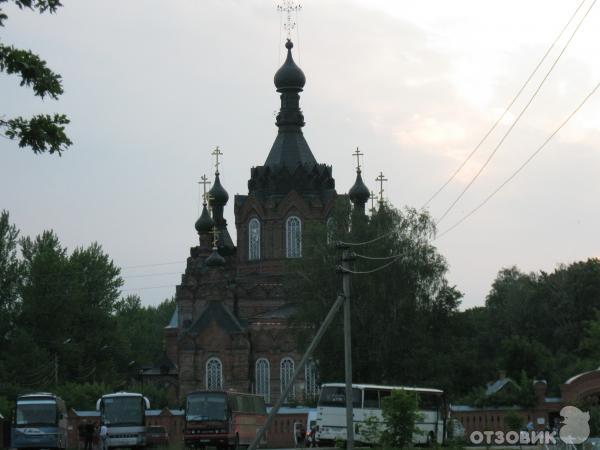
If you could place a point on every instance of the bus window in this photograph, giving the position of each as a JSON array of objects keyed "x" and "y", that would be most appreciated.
[
  {"x": 384, "y": 394},
  {"x": 371, "y": 399},
  {"x": 259, "y": 405},
  {"x": 336, "y": 396},
  {"x": 429, "y": 401}
]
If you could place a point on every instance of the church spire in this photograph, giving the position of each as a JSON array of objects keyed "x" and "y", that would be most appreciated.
[
  {"x": 290, "y": 149},
  {"x": 218, "y": 199},
  {"x": 204, "y": 223},
  {"x": 359, "y": 192}
]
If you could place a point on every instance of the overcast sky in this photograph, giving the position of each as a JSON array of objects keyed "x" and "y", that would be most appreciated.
[{"x": 152, "y": 86}]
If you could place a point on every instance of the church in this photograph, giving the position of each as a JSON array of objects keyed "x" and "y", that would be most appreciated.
[{"x": 231, "y": 328}]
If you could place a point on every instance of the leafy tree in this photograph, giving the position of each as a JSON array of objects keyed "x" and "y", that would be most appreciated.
[
  {"x": 400, "y": 413},
  {"x": 10, "y": 275},
  {"x": 399, "y": 314},
  {"x": 42, "y": 132}
]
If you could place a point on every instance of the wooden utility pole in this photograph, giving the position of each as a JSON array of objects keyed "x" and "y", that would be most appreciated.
[{"x": 346, "y": 259}]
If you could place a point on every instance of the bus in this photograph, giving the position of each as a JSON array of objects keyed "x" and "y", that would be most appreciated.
[
  {"x": 222, "y": 419},
  {"x": 124, "y": 414},
  {"x": 366, "y": 401},
  {"x": 39, "y": 421}
]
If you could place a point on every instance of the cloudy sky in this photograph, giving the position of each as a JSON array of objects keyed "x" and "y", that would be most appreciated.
[{"x": 152, "y": 86}]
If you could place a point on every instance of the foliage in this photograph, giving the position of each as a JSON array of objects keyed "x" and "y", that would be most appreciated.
[
  {"x": 42, "y": 132},
  {"x": 67, "y": 327},
  {"x": 513, "y": 420},
  {"x": 396, "y": 312},
  {"x": 400, "y": 414},
  {"x": 372, "y": 429}
]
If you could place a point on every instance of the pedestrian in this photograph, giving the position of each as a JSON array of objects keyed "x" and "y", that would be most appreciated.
[
  {"x": 88, "y": 432},
  {"x": 103, "y": 437}
]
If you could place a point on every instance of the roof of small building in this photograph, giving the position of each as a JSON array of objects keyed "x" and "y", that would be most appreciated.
[
  {"x": 218, "y": 312},
  {"x": 468, "y": 408},
  {"x": 496, "y": 386}
]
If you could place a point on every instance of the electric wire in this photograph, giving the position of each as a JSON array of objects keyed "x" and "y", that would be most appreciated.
[
  {"x": 510, "y": 105},
  {"x": 375, "y": 258},
  {"x": 524, "y": 164},
  {"x": 517, "y": 119},
  {"x": 377, "y": 269}
]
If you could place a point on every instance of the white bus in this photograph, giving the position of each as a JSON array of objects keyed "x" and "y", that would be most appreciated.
[
  {"x": 124, "y": 414},
  {"x": 366, "y": 400}
]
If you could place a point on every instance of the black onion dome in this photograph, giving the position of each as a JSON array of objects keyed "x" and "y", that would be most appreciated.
[
  {"x": 204, "y": 223},
  {"x": 359, "y": 192},
  {"x": 218, "y": 194},
  {"x": 214, "y": 259},
  {"x": 289, "y": 76}
]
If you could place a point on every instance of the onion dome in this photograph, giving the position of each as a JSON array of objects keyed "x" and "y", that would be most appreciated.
[
  {"x": 204, "y": 223},
  {"x": 289, "y": 75},
  {"x": 359, "y": 193},
  {"x": 218, "y": 194},
  {"x": 214, "y": 259}
]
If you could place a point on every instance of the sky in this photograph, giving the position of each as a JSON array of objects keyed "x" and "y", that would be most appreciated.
[{"x": 151, "y": 87}]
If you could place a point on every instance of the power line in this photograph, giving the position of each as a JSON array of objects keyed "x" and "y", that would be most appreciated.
[
  {"x": 481, "y": 169},
  {"x": 522, "y": 166},
  {"x": 377, "y": 269},
  {"x": 510, "y": 105}
]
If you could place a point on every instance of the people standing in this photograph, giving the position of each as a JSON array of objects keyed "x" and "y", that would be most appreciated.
[
  {"x": 88, "y": 433},
  {"x": 103, "y": 437}
]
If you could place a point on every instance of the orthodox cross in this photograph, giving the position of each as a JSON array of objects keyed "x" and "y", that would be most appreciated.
[
  {"x": 289, "y": 7},
  {"x": 373, "y": 197},
  {"x": 204, "y": 181},
  {"x": 216, "y": 153},
  {"x": 215, "y": 234},
  {"x": 380, "y": 179},
  {"x": 358, "y": 154}
]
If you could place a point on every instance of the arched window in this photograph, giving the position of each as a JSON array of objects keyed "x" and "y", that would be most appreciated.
[
  {"x": 330, "y": 229},
  {"x": 293, "y": 236},
  {"x": 253, "y": 239},
  {"x": 214, "y": 374},
  {"x": 310, "y": 380},
  {"x": 285, "y": 375},
  {"x": 263, "y": 379}
]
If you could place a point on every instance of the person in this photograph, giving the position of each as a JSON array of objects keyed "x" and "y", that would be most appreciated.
[
  {"x": 88, "y": 433},
  {"x": 103, "y": 437}
]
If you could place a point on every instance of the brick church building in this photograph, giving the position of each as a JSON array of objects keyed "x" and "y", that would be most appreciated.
[{"x": 231, "y": 326}]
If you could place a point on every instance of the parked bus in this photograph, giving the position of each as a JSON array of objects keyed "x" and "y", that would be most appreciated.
[
  {"x": 39, "y": 421},
  {"x": 366, "y": 401},
  {"x": 124, "y": 414},
  {"x": 222, "y": 419}
]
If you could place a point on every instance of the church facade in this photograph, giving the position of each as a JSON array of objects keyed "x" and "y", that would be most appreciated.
[{"x": 231, "y": 326}]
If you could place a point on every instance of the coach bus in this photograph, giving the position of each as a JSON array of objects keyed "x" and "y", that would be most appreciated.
[
  {"x": 222, "y": 419},
  {"x": 124, "y": 414},
  {"x": 366, "y": 401},
  {"x": 39, "y": 421}
]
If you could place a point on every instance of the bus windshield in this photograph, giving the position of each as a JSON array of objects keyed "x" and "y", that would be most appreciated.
[
  {"x": 206, "y": 406},
  {"x": 336, "y": 396},
  {"x": 123, "y": 411},
  {"x": 36, "y": 412}
]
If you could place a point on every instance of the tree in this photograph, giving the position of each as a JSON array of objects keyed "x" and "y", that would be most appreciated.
[
  {"x": 42, "y": 132},
  {"x": 401, "y": 315},
  {"x": 11, "y": 275},
  {"x": 400, "y": 415}
]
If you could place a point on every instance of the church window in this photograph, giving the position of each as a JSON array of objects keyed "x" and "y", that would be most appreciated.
[
  {"x": 263, "y": 378},
  {"x": 310, "y": 380},
  {"x": 253, "y": 239},
  {"x": 330, "y": 229},
  {"x": 286, "y": 373},
  {"x": 293, "y": 234},
  {"x": 214, "y": 374}
]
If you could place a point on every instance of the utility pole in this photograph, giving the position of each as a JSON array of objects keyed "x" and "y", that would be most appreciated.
[
  {"x": 346, "y": 259},
  {"x": 56, "y": 369}
]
